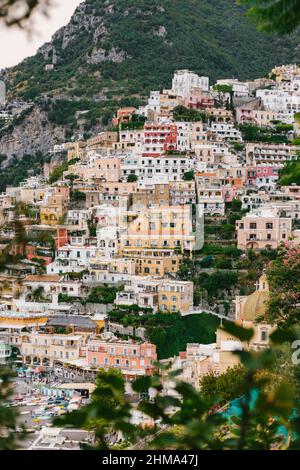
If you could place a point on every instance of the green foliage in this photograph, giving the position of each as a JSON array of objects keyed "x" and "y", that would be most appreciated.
[
  {"x": 283, "y": 128},
  {"x": 78, "y": 196},
  {"x": 235, "y": 205},
  {"x": 92, "y": 228},
  {"x": 227, "y": 231},
  {"x": 266, "y": 416},
  {"x": 253, "y": 133},
  {"x": 223, "y": 263},
  {"x": 283, "y": 276},
  {"x": 280, "y": 16},
  {"x": 102, "y": 295},
  {"x": 226, "y": 386},
  {"x": 189, "y": 176},
  {"x": 190, "y": 25},
  {"x": 38, "y": 295},
  {"x": 180, "y": 113},
  {"x": 216, "y": 282},
  {"x": 41, "y": 238},
  {"x": 207, "y": 262},
  {"x": 18, "y": 170},
  {"x": 59, "y": 170},
  {"x": 170, "y": 332},
  {"x": 290, "y": 173},
  {"x": 137, "y": 122},
  {"x": 222, "y": 88},
  {"x": 9, "y": 439},
  {"x": 238, "y": 147},
  {"x": 132, "y": 178},
  {"x": 66, "y": 299},
  {"x": 108, "y": 407},
  {"x": 229, "y": 250}
]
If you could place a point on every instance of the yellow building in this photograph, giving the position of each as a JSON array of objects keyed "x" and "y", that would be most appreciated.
[
  {"x": 106, "y": 270},
  {"x": 18, "y": 321},
  {"x": 175, "y": 296},
  {"x": 10, "y": 288},
  {"x": 154, "y": 262},
  {"x": 103, "y": 140},
  {"x": 13, "y": 325},
  {"x": 76, "y": 150},
  {"x": 44, "y": 349},
  {"x": 152, "y": 195},
  {"x": 168, "y": 101},
  {"x": 166, "y": 227},
  {"x": 53, "y": 211}
]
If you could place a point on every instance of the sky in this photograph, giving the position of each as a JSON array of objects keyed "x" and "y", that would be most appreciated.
[{"x": 16, "y": 44}]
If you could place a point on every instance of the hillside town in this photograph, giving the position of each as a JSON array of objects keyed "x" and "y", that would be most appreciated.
[{"x": 161, "y": 214}]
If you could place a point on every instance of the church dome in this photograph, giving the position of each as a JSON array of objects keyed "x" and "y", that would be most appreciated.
[{"x": 257, "y": 303}]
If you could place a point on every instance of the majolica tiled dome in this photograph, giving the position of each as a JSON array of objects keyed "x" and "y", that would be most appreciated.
[{"x": 256, "y": 304}]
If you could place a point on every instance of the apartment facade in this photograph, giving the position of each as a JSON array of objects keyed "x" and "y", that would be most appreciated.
[
  {"x": 261, "y": 229},
  {"x": 131, "y": 358}
]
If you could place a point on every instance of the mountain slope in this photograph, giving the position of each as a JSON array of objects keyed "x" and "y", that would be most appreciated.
[{"x": 113, "y": 52}]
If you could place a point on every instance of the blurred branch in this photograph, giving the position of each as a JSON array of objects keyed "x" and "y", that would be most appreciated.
[
  {"x": 18, "y": 12},
  {"x": 274, "y": 16}
]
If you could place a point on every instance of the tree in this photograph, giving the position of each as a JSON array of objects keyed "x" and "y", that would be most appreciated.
[
  {"x": 8, "y": 414},
  {"x": 261, "y": 419},
  {"x": 223, "y": 92},
  {"x": 102, "y": 295},
  {"x": 72, "y": 177},
  {"x": 107, "y": 408},
  {"x": 77, "y": 196},
  {"x": 236, "y": 205},
  {"x": 227, "y": 231},
  {"x": 20, "y": 236},
  {"x": 189, "y": 175},
  {"x": 290, "y": 173},
  {"x": 278, "y": 16},
  {"x": 283, "y": 276},
  {"x": 132, "y": 178},
  {"x": 181, "y": 113},
  {"x": 226, "y": 386}
]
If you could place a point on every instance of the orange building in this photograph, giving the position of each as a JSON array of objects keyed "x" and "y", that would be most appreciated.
[{"x": 130, "y": 357}]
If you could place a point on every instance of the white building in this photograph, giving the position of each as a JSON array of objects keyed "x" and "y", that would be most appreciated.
[
  {"x": 172, "y": 167},
  {"x": 275, "y": 154},
  {"x": 283, "y": 102},
  {"x": 184, "y": 81},
  {"x": 240, "y": 89},
  {"x": 71, "y": 259},
  {"x": 226, "y": 131}
]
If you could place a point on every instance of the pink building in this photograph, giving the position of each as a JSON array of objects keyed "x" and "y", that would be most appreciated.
[
  {"x": 62, "y": 191},
  {"x": 107, "y": 168},
  {"x": 254, "y": 116},
  {"x": 229, "y": 193},
  {"x": 261, "y": 229},
  {"x": 159, "y": 138},
  {"x": 124, "y": 115},
  {"x": 198, "y": 99},
  {"x": 292, "y": 191},
  {"x": 132, "y": 358},
  {"x": 262, "y": 176}
]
